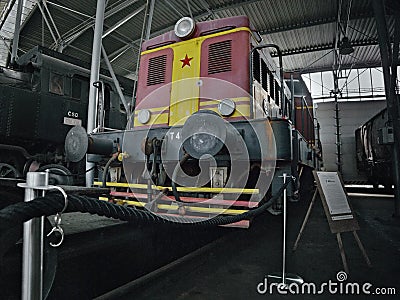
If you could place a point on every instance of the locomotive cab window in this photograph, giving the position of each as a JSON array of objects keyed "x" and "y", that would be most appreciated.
[
  {"x": 288, "y": 108},
  {"x": 256, "y": 66},
  {"x": 76, "y": 88},
  {"x": 271, "y": 85},
  {"x": 56, "y": 84},
  {"x": 264, "y": 75},
  {"x": 277, "y": 94}
]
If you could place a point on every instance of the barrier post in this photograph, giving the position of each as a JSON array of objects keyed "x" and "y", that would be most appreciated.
[
  {"x": 285, "y": 278},
  {"x": 32, "y": 253}
]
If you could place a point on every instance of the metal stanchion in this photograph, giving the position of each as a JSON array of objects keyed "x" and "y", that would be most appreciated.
[
  {"x": 285, "y": 278},
  {"x": 32, "y": 255}
]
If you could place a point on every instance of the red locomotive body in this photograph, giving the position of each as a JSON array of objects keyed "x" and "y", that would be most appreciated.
[{"x": 211, "y": 126}]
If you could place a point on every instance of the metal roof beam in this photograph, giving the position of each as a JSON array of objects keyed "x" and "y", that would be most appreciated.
[
  {"x": 70, "y": 10},
  {"x": 332, "y": 19},
  {"x": 80, "y": 29},
  {"x": 117, "y": 53},
  {"x": 224, "y": 6},
  {"x": 210, "y": 10},
  {"x": 78, "y": 15},
  {"x": 115, "y": 80},
  {"x": 123, "y": 21},
  {"x": 6, "y": 12},
  {"x": 51, "y": 18},
  {"x": 381, "y": 97},
  {"x": 328, "y": 46},
  {"x": 358, "y": 65},
  {"x": 46, "y": 21}
]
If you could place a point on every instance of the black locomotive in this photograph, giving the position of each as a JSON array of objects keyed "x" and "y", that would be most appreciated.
[
  {"x": 374, "y": 150},
  {"x": 41, "y": 98}
]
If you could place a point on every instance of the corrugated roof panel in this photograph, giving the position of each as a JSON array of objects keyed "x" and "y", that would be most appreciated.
[
  {"x": 363, "y": 56},
  {"x": 7, "y": 30},
  {"x": 296, "y": 25}
]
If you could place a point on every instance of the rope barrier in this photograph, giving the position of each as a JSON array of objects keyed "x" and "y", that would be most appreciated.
[
  {"x": 13, "y": 216},
  {"x": 53, "y": 203}
]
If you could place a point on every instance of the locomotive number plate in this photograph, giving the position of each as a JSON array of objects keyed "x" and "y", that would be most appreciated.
[
  {"x": 174, "y": 135},
  {"x": 72, "y": 121}
]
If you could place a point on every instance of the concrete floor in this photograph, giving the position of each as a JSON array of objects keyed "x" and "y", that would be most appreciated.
[
  {"x": 99, "y": 255},
  {"x": 237, "y": 263}
]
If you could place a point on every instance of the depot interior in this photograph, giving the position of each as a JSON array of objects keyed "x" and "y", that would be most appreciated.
[{"x": 339, "y": 62}]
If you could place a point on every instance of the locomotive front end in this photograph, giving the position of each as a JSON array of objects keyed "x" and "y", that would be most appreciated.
[
  {"x": 191, "y": 131},
  {"x": 198, "y": 144}
]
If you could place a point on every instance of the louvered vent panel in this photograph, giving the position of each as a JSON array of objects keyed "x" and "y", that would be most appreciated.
[
  {"x": 156, "y": 71},
  {"x": 220, "y": 57}
]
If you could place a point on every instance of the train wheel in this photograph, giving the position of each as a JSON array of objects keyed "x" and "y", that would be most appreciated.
[
  {"x": 59, "y": 175},
  {"x": 8, "y": 171}
]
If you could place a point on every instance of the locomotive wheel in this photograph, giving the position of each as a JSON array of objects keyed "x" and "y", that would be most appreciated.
[
  {"x": 59, "y": 175},
  {"x": 8, "y": 171}
]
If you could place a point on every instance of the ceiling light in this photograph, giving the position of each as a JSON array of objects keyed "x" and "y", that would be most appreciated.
[{"x": 345, "y": 47}]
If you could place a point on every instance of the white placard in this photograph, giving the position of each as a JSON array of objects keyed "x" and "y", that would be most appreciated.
[
  {"x": 72, "y": 121},
  {"x": 333, "y": 190}
]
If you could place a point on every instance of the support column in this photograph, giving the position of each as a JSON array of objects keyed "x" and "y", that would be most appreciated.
[
  {"x": 94, "y": 76},
  {"x": 150, "y": 19},
  {"x": 337, "y": 123},
  {"x": 17, "y": 28},
  {"x": 390, "y": 59},
  {"x": 293, "y": 107},
  {"x": 115, "y": 80},
  {"x": 146, "y": 29},
  {"x": 336, "y": 71}
]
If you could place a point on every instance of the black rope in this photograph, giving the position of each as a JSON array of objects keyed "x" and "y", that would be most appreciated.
[{"x": 53, "y": 203}]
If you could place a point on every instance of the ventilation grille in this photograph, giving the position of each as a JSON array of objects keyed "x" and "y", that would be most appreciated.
[
  {"x": 156, "y": 71},
  {"x": 220, "y": 57}
]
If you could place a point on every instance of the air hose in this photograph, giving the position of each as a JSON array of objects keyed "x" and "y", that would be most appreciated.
[
  {"x": 108, "y": 164},
  {"x": 174, "y": 176}
]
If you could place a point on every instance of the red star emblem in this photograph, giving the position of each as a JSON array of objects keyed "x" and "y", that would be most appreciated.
[{"x": 186, "y": 61}]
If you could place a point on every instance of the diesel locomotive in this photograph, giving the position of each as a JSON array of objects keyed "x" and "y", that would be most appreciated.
[
  {"x": 212, "y": 132},
  {"x": 41, "y": 98}
]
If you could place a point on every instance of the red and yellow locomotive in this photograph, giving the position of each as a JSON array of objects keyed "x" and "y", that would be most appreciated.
[{"x": 211, "y": 131}]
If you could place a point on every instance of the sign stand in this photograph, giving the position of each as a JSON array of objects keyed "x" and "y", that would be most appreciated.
[{"x": 338, "y": 212}]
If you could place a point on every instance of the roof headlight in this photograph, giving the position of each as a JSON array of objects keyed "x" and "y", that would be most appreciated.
[
  {"x": 184, "y": 28},
  {"x": 144, "y": 116},
  {"x": 226, "y": 107}
]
